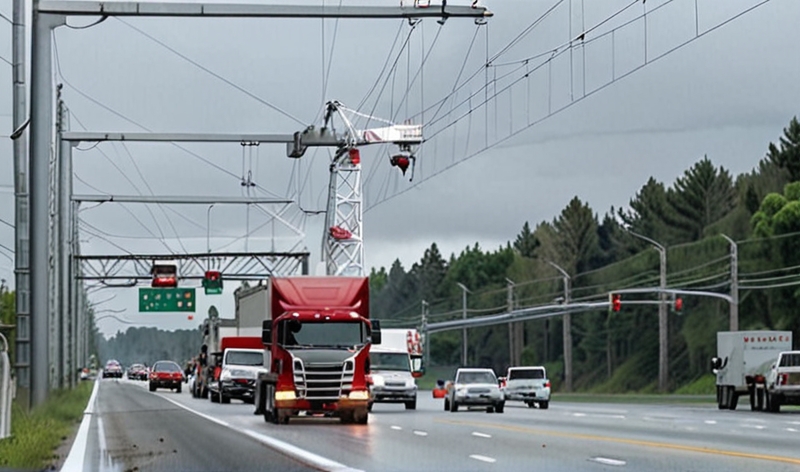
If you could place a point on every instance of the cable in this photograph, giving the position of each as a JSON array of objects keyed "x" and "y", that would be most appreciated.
[
  {"x": 564, "y": 107},
  {"x": 7, "y": 223},
  {"x": 212, "y": 73}
]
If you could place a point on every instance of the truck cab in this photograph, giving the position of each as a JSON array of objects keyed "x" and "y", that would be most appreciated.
[
  {"x": 391, "y": 379},
  {"x": 239, "y": 369}
]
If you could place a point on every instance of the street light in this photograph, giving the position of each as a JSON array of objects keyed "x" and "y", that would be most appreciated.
[
  {"x": 734, "y": 316},
  {"x": 208, "y": 228},
  {"x": 567, "y": 328},
  {"x": 464, "y": 291},
  {"x": 663, "y": 361}
]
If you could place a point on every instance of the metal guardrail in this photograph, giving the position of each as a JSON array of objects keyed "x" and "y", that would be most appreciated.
[{"x": 5, "y": 390}]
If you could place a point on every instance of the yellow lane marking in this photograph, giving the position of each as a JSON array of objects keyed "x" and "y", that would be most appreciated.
[{"x": 634, "y": 442}]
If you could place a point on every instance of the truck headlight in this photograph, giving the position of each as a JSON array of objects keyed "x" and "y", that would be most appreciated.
[
  {"x": 281, "y": 395},
  {"x": 378, "y": 380},
  {"x": 359, "y": 395},
  {"x": 225, "y": 375}
]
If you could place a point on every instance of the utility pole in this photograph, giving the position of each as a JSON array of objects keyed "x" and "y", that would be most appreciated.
[
  {"x": 567, "y": 331},
  {"x": 663, "y": 339},
  {"x": 512, "y": 338},
  {"x": 734, "y": 316},
  {"x": 21, "y": 215},
  {"x": 464, "y": 339},
  {"x": 426, "y": 344},
  {"x": 64, "y": 250}
]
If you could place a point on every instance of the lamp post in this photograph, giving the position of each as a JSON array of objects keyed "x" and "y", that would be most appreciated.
[
  {"x": 734, "y": 316},
  {"x": 464, "y": 291},
  {"x": 567, "y": 331},
  {"x": 208, "y": 228},
  {"x": 663, "y": 352}
]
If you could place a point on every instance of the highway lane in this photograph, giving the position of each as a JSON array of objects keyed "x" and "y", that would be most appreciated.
[
  {"x": 567, "y": 437},
  {"x": 133, "y": 430}
]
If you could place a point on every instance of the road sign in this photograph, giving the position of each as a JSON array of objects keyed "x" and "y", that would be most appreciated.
[
  {"x": 212, "y": 282},
  {"x": 166, "y": 299}
]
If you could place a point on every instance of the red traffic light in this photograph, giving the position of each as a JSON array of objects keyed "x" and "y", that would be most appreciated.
[
  {"x": 212, "y": 275},
  {"x": 678, "y": 304},
  {"x": 615, "y": 301}
]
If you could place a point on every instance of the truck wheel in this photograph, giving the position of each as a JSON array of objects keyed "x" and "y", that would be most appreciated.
[
  {"x": 360, "y": 416},
  {"x": 453, "y": 406},
  {"x": 734, "y": 398},
  {"x": 224, "y": 398},
  {"x": 500, "y": 407},
  {"x": 213, "y": 397},
  {"x": 773, "y": 403},
  {"x": 283, "y": 415},
  {"x": 346, "y": 416},
  {"x": 759, "y": 399},
  {"x": 722, "y": 404},
  {"x": 152, "y": 388},
  {"x": 369, "y": 406},
  {"x": 412, "y": 405},
  {"x": 544, "y": 404},
  {"x": 490, "y": 409},
  {"x": 446, "y": 404},
  {"x": 530, "y": 404}
]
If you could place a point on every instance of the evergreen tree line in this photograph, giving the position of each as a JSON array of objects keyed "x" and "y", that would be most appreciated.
[
  {"x": 148, "y": 345},
  {"x": 619, "y": 351}
]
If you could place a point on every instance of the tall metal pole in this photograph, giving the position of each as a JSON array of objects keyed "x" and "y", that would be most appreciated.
[
  {"x": 64, "y": 236},
  {"x": 41, "y": 129},
  {"x": 567, "y": 331},
  {"x": 512, "y": 346},
  {"x": 21, "y": 215},
  {"x": 663, "y": 326},
  {"x": 426, "y": 341},
  {"x": 734, "y": 316},
  {"x": 464, "y": 340}
]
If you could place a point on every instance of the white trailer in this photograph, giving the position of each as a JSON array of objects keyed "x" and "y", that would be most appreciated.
[
  {"x": 743, "y": 361},
  {"x": 405, "y": 340}
]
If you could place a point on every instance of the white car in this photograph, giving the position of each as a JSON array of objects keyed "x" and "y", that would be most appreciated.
[
  {"x": 475, "y": 388},
  {"x": 529, "y": 385}
]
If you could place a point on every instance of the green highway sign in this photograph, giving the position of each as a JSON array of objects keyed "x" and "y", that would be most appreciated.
[{"x": 166, "y": 299}]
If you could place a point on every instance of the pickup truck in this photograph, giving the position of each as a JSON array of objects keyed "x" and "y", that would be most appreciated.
[
  {"x": 529, "y": 385},
  {"x": 475, "y": 388},
  {"x": 783, "y": 381},
  {"x": 237, "y": 379}
]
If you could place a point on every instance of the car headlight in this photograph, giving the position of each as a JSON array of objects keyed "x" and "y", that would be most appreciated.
[
  {"x": 378, "y": 380},
  {"x": 410, "y": 383},
  {"x": 461, "y": 391},
  {"x": 226, "y": 375}
]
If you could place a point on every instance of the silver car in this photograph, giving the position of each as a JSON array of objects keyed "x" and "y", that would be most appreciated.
[{"x": 475, "y": 388}]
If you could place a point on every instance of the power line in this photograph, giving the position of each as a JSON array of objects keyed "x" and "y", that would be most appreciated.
[{"x": 6, "y": 223}]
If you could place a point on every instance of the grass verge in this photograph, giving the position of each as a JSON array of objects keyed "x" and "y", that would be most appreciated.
[{"x": 37, "y": 433}]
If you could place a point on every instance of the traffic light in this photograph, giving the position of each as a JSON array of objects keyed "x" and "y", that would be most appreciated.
[
  {"x": 614, "y": 301},
  {"x": 212, "y": 282},
  {"x": 677, "y": 304}
]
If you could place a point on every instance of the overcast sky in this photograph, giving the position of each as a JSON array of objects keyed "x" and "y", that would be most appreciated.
[{"x": 725, "y": 95}]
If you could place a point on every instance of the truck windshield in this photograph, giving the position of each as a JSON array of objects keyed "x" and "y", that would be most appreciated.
[
  {"x": 520, "y": 374},
  {"x": 389, "y": 361},
  {"x": 790, "y": 360},
  {"x": 476, "y": 378},
  {"x": 244, "y": 358},
  {"x": 293, "y": 333}
]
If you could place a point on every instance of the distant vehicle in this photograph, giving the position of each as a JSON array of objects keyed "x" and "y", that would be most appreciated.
[
  {"x": 527, "y": 384},
  {"x": 166, "y": 374},
  {"x": 137, "y": 372},
  {"x": 113, "y": 369},
  {"x": 744, "y": 361},
  {"x": 165, "y": 274},
  {"x": 783, "y": 382},
  {"x": 242, "y": 361},
  {"x": 475, "y": 388},
  {"x": 88, "y": 374},
  {"x": 391, "y": 379}
]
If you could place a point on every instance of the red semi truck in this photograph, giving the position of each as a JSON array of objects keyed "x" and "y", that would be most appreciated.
[{"x": 317, "y": 335}]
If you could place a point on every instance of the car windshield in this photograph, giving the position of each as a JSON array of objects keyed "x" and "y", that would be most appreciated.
[
  {"x": 166, "y": 367},
  {"x": 389, "y": 361},
  {"x": 293, "y": 333},
  {"x": 244, "y": 358},
  {"x": 477, "y": 378},
  {"x": 523, "y": 374}
]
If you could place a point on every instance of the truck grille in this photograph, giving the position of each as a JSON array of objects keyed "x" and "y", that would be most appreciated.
[{"x": 323, "y": 381}]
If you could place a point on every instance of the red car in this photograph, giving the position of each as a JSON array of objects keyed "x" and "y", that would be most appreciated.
[{"x": 166, "y": 374}]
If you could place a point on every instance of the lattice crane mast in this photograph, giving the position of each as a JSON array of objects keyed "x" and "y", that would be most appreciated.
[{"x": 343, "y": 243}]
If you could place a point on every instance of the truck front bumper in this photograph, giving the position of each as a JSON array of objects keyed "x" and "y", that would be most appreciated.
[
  {"x": 527, "y": 395},
  {"x": 393, "y": 394},
  {"x": 243, "y": 389}
]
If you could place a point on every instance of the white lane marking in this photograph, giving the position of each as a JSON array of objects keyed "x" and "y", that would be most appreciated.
[
  {"x": 620, "y": 417},
  {"x": 397, "y": 428},
  {"x": 77, "y": 452},
  {"x": 710, "y": 422},
  {"x": 791, "y": 430},
  {"x": 607, "y": 461},
  {"x": 794, "y": 422},
  {"x": 202, "y": 415},
  {"x": 481, "y": 435},
  {"x": 481, "y": 458},
  {"x": 307, "y": 457},
  {"x": 295, "y": 452},
  {"x": 420, "y": 433},
  {"x": 579, "y": 414}
]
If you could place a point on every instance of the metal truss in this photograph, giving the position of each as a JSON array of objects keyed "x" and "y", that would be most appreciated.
[
  {"x": 130, "y": 270},
  {"x": 343, "y": 243}
]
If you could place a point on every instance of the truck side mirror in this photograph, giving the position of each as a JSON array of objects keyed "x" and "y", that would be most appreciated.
[
  {"x": 266, "y": 332},
  {"x": 716, "y": 363},
  {"x": 376, "y": 332}
]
